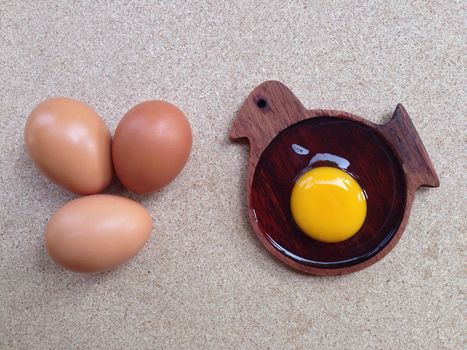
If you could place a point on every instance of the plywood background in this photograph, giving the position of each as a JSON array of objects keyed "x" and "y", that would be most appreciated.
[{"x": 203, "y": 281}]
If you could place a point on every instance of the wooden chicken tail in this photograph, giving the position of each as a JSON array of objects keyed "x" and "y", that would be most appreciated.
[{"x": 402, "y": 136}]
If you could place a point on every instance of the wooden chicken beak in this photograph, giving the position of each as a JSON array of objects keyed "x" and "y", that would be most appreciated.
[
  {"x": 236, "y": 131},
  {"x": 234, "y": 135}
]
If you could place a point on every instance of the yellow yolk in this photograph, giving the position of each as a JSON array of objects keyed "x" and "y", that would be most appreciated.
[{"x": 328, "y": 204}]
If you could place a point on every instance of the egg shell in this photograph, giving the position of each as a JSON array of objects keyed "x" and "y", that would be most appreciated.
[
  {"x": 151, "y": 146},
  {"x": 96, "y": 233},
  {"x": 70, "y": 144}
]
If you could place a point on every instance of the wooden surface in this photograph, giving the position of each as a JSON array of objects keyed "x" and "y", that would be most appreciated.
[{"x": 389, "y": 161}]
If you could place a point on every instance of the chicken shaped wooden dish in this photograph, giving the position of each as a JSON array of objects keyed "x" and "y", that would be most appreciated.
[{"x": 328, "y": 192}]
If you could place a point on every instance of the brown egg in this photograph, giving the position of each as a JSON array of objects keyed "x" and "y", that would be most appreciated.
[
  {"x": 151, "y": 145},
  {"x": 96, "y": 233},
  {"x": 70, "y": 144}
]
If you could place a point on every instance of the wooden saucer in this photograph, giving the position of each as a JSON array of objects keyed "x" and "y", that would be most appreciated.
[{"x": 389, "y": 161}]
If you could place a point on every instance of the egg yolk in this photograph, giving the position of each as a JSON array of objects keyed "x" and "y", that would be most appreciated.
[{"x": 328, "y": 204}]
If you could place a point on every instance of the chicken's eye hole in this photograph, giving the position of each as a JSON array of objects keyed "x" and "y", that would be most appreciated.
[{"x": 261, "y": 103}]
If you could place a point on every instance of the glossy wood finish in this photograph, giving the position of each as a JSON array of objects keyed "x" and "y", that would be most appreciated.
[{"x": 389, "y": 161}]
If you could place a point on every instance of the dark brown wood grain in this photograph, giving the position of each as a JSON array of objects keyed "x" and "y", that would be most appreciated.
[{"x": 389, "y": 161}]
